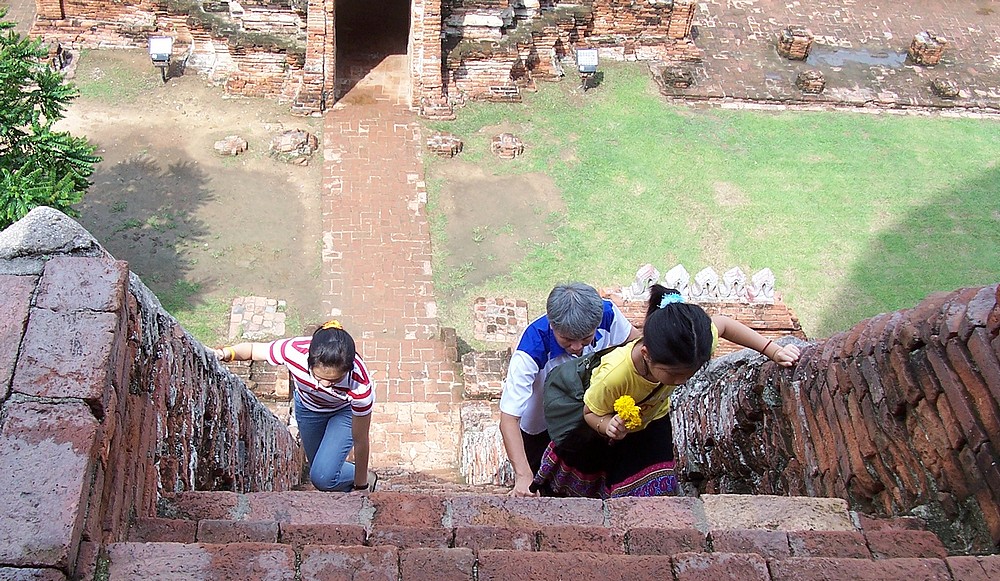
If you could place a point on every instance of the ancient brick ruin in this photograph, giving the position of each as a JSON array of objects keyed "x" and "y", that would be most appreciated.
[
  {"x": 310, "y": 53},
  {"x": 129, "y": 449},
  {"x": 899, "y": 413},
  {"x": 108, "y": 403}
]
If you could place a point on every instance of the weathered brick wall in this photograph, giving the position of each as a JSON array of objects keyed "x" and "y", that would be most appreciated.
[
  {"x": 621, "y": 30},
  {"x": 262, "y": 73},
  {"x": 245, "y": 69},
  {"x": 320, "y": 57},
  {"x": 899, "y": 415},
  {"x": 483, "y": 76},
  {"x": 126, "y": 12},
  {"x": 425, "y": 50},
  {"x": 638, "y": 20},
  {"x": 107, "y": 402}
]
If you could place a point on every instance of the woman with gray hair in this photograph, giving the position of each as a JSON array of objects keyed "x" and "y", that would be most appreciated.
[{"x": 577, "y": 321}]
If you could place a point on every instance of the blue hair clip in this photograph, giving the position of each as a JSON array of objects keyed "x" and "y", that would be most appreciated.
[{"x": 671, "y": 298}]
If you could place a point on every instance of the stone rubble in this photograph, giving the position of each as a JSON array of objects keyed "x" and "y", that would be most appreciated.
[
  {"x": 927, "y": 48},
  {"x": 795, "y": 42},
  {"x": 811, "y": 81},
  {"x": 444, "y": 144},
  {"x": 295, "y": 146},
  {"x": 231, "y": 146},
  {"x": 506, "y": 146}
]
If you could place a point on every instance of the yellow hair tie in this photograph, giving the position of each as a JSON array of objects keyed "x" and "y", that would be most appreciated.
[{"x": 332, "y": 324}]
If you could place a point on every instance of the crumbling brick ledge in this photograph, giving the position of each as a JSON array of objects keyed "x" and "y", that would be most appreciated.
[{"x": 107, "y": 403}]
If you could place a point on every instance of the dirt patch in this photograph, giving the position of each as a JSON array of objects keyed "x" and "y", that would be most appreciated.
[
  {"x": 492, "y": 222},
  {"x": 728, "y": 195},
  {"x": 206, "y": 228},
  {"x": 187, "y": 220}
]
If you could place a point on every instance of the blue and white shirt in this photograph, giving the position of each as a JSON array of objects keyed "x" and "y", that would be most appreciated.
[{"x": 537, "y": 353}]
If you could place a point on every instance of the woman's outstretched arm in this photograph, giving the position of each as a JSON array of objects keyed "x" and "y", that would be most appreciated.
[{"x": 737, "y": 332}]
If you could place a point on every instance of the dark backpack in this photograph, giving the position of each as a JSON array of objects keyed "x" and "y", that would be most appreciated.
[{"x": 563, "y": 396}]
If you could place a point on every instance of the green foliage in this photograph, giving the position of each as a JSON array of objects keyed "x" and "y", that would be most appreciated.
[
  {"x": 856, "y": 214},
  {"x": 38, "y": 166}
]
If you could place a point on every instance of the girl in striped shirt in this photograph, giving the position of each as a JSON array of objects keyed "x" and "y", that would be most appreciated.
[{"x": 333, "y": 402}]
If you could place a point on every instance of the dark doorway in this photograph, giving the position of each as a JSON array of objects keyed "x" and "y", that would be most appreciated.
[{"x": 367, "y": 33}]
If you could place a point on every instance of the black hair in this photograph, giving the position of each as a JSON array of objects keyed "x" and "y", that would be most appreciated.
[
  {"x": 678, "y": 333},
  {"x": 332, "y": 347}
]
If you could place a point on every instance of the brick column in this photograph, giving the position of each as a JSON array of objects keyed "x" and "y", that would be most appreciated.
[
  {"x": 320, "y": 69},
  {"x": 425, "y": 50},
  {"x": 49, "y": 9},
  {"x": 681, "y": 18}
]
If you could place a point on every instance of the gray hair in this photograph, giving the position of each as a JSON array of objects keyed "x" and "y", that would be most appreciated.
[{"x": 574, "y": 309}]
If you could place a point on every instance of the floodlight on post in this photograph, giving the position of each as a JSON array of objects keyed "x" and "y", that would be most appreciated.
[
  {"x": 586, "y": 62},
  {"x": 160, "y": 48}
]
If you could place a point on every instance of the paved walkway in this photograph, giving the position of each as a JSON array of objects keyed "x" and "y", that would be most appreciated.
[{"x": 377, "y": 263}]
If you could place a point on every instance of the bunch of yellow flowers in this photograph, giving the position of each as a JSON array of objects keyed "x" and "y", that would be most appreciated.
[{"x": 629, "y": 412}]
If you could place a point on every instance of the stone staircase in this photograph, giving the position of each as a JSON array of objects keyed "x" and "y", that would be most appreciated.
[
  {"x": 108, "y": 409},
  {"x": 414, "y": 535}
]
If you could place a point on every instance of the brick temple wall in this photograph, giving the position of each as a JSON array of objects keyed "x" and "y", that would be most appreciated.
[
  {"x": 425, "y": 50},
  {"x": 898, "y": 415},
  {"x": 643, "y": 20},
  {"x": 304, "y": 75},
  {"x": 106, "y": 402},
  {"x": 619, "y": 29},
  {"x": 284, "y": 74}
]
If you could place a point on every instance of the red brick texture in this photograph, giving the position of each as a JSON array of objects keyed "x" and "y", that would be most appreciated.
[
  {"x": 96, "y": 442},
  {"x": 350, "y": 563},
  {"x": 821, "y": 569},
  {"x": 201, "y": 561},
  {"x": 48, "y": 458},
  {"x": 106, "y": 403},
  {"x": 497, "y": 537},
  {"x": 14, "y": 303},
  {"x": 901, "y": 411}
]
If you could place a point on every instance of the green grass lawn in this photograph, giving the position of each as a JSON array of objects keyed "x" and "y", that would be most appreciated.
[{"x": 855, "y": 213}]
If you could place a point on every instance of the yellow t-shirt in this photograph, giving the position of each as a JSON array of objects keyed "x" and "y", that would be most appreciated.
[{"x": 617, "y": 376}]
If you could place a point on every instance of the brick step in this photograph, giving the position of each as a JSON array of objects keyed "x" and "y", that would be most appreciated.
[
  {"x": 771, "y": 526},
  {"x": 445, "y": 482},
  {"x": 277, "y": 561}
]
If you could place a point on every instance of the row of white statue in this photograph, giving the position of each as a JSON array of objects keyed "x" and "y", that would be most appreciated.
[{"x": 707, "y": 286}]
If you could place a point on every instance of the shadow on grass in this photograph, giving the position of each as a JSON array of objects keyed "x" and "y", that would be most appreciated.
[
  {"x": 141, "y": 212},
  {"x": 950, "y": 243}
]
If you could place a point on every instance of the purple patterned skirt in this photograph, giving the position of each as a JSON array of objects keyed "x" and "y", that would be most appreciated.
[{"x": 640, "y": 464}]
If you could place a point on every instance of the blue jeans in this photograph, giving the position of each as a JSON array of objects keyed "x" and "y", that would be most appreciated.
[{"x": 327, "y": 439}]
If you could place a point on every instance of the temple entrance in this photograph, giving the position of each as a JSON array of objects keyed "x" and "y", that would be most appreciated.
[{"x": 372, "y": 40}]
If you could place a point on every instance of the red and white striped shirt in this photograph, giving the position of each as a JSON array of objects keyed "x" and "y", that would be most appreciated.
[{"x": 355, "y": 389}]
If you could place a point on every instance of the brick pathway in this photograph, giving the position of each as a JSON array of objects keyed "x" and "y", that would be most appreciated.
[{"x": 377, "y": 265}]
